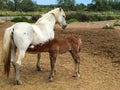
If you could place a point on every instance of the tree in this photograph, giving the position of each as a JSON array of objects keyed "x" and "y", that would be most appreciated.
[
  {"x": 11, "y": 4},
  {"x": 1, "y": 3},
  {"x": 28, "y": 5},
  {"x": 66, "y": 4},
  {"x": 106, "y": 5},
  {"x": 16, "y": 4}
]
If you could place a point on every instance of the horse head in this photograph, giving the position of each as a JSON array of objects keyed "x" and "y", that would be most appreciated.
[{"x": 60, "y": 17}]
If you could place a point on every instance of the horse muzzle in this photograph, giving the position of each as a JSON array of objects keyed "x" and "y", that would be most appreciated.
[{"x": 64, "y": 26}]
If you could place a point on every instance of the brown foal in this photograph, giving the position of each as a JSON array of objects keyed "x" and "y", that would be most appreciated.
[{"x": 59, "y": 45}]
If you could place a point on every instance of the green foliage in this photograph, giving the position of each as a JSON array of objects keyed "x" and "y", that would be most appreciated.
[
  {"x": 72, "y": 20},
  {"x": 19, "y": 5},
  {"x": 105, "y": 5},
  {"x": 66, "y": 4},
  {"x": 116, "y": 23},
  {"x": 17, "y": 13},
  {"x": 71, "y": 16},
  {"x": 89, "y": 16},
  {"x": 28, "y": 5}
]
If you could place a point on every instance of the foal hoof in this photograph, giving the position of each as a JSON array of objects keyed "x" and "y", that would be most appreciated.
[
  {"x": 39, "y": 69},
  {"x": 55, "y": 72},
  {"x": 76, "y": 75},
  {"x": 19, "y": 82},
  {"x": 50, "y": 79}
]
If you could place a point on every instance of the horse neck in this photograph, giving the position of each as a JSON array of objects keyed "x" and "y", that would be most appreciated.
[
  {"x": 46, "y": 26},
  {"x": 47, "y": 20},
  {"x": 55, "y": 13}
]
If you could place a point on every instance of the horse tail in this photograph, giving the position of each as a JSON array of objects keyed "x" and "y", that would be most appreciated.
[
  {"x": 6, "y": 57},
  {"x": 79, "y": 44}
]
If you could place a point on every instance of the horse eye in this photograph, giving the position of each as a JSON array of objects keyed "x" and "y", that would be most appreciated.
[{"x": 64, "y": 16}]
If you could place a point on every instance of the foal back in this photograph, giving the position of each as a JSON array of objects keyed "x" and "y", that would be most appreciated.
[
  {"x": 63, "y": 45},
  {"x": 60, "y": 45},
  {"x": 75, "y": 43}
]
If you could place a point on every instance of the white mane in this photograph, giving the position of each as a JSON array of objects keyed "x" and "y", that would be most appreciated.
[{"x": 44, "y": 18}]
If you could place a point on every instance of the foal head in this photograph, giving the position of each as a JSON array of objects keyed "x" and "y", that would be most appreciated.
[{"x": 60, "y": 17}]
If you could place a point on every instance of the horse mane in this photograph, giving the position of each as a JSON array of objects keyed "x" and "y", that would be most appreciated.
[
  {"x": 44, "y": 17},
  {"x": 54, "y": 12}
]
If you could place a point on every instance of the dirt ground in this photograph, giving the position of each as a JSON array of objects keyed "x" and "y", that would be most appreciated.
[{"x": 99, "y": 65}]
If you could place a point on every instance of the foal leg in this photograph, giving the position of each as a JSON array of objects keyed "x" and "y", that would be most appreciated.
[
  {"x": 38, "y": 66},
  {"x": 77, "y": 63},
  {"x": 52, "y": 63}
]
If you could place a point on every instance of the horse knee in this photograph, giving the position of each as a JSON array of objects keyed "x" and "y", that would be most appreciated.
[
  {"x": 18, "y": 62},
  {"x": 20, "y": 57}
]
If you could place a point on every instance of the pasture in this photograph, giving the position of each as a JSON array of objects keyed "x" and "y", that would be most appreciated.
[{"x": 99, "y": 65}]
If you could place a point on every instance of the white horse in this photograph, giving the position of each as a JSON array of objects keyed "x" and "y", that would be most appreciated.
[{"x": 21, "y": 35}]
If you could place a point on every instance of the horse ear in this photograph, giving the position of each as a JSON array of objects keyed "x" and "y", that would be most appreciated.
[{"x": 60, "y": 8}]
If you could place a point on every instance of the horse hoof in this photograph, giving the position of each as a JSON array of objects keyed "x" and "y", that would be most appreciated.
[{"x": 19, "y": 82}]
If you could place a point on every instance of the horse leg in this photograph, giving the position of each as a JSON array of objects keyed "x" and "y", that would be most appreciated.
[
  {"x": 17, "y": 66},
  {"x": 13, "y": 55},
  {"x": 38, "y": 66},
  {"x": 52, "y": 63},
  {"x": 13, "y": 60},
  {"x": 77, "y": 63}
]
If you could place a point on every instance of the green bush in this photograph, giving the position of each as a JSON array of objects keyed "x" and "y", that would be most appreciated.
[
  {"x": 22, "y": 19},
  {"x": 72, "y": 20},
  {"x": 116, "y": 23},
  {"x": 76, "y": 16},
  {"x": 82, "y": 16}
]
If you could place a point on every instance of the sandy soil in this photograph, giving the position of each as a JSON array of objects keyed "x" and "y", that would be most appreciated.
[{"x": 99, "y": 67}]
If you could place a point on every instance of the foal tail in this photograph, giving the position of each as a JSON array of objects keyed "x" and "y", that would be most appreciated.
[
  {"x": 79, "y": 44},
  {"x": 6, "y": 51}
]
